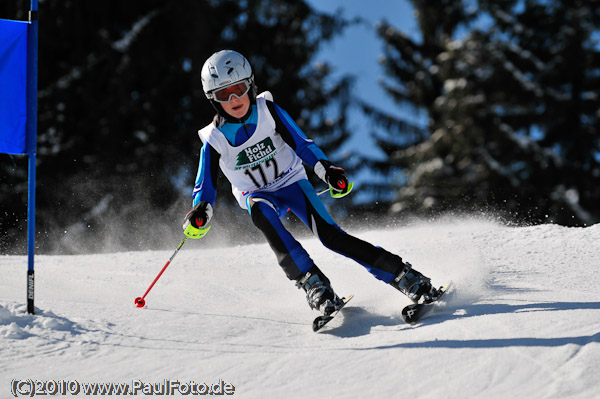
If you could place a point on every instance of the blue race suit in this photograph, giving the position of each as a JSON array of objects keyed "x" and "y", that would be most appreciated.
[{"x": 267, "y": 206}]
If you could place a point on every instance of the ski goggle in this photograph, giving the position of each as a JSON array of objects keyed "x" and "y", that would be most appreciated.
[{"x": 224, "y": 95}]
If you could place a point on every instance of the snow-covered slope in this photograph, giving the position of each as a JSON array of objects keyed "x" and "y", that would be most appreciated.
[{"x": 523, "y": 320}]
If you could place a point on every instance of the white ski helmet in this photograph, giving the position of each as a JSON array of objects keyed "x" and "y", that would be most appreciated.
[{"x": 223, "y": 69}]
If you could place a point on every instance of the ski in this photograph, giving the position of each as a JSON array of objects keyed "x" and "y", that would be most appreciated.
[
  {"x": 321, "y": 321},
  {"x": 415, "y": 312}
]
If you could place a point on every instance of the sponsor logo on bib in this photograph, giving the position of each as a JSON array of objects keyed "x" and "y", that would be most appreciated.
[{"x": 256, "y": 154}]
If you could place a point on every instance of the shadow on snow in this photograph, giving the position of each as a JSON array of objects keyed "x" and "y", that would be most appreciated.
[{"x": 357, "y": 322}]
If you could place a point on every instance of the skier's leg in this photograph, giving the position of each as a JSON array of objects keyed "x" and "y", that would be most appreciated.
[
  {"x": 380, "y": 263},
  {"x": 309, "y": 208},
  {"x": 293, "y": 259}
]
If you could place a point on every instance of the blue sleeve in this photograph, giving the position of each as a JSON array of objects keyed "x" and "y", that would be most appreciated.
[
  {"x": 206, "y": 179},
  {"x": 304, "y": 147}
]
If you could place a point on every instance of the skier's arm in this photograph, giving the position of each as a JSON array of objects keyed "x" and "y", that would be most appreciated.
[
  {"x": 206, "y": 179},
  {"x": 309, "y": 152},
  {"x": 196, "y": 222},
  {"x": 291, "y": 133}
]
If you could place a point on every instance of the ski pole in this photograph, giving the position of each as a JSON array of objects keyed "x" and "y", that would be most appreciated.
[{"x": 139, "y": 301}]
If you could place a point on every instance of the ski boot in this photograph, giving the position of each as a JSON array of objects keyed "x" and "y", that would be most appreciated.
[
  {"x": 415, "y": 285},
  {"x": 409, "y": 281},
  {"x": 319, "y": 293}
]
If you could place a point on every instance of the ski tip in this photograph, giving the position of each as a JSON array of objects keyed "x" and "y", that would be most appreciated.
[{"x": 446, "y": 286}]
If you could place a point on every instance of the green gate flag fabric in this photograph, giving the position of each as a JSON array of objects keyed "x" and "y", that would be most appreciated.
[{"x": 13, "y": 86}]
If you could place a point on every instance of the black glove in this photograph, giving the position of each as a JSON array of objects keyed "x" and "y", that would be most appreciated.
[
  {"x": 333, "y": 175},
  {"x": 199, "y": 216}
]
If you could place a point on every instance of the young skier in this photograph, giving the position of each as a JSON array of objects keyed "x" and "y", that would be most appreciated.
[{"x": 260, "y": 149}]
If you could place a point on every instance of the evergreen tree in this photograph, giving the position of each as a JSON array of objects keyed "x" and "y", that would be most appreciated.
[
  {"x": 514, "y": 127},
  {"x": 413, "y": 81}
]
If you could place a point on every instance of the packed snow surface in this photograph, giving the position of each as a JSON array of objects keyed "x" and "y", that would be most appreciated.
[{"x": 523, "y": 319}]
